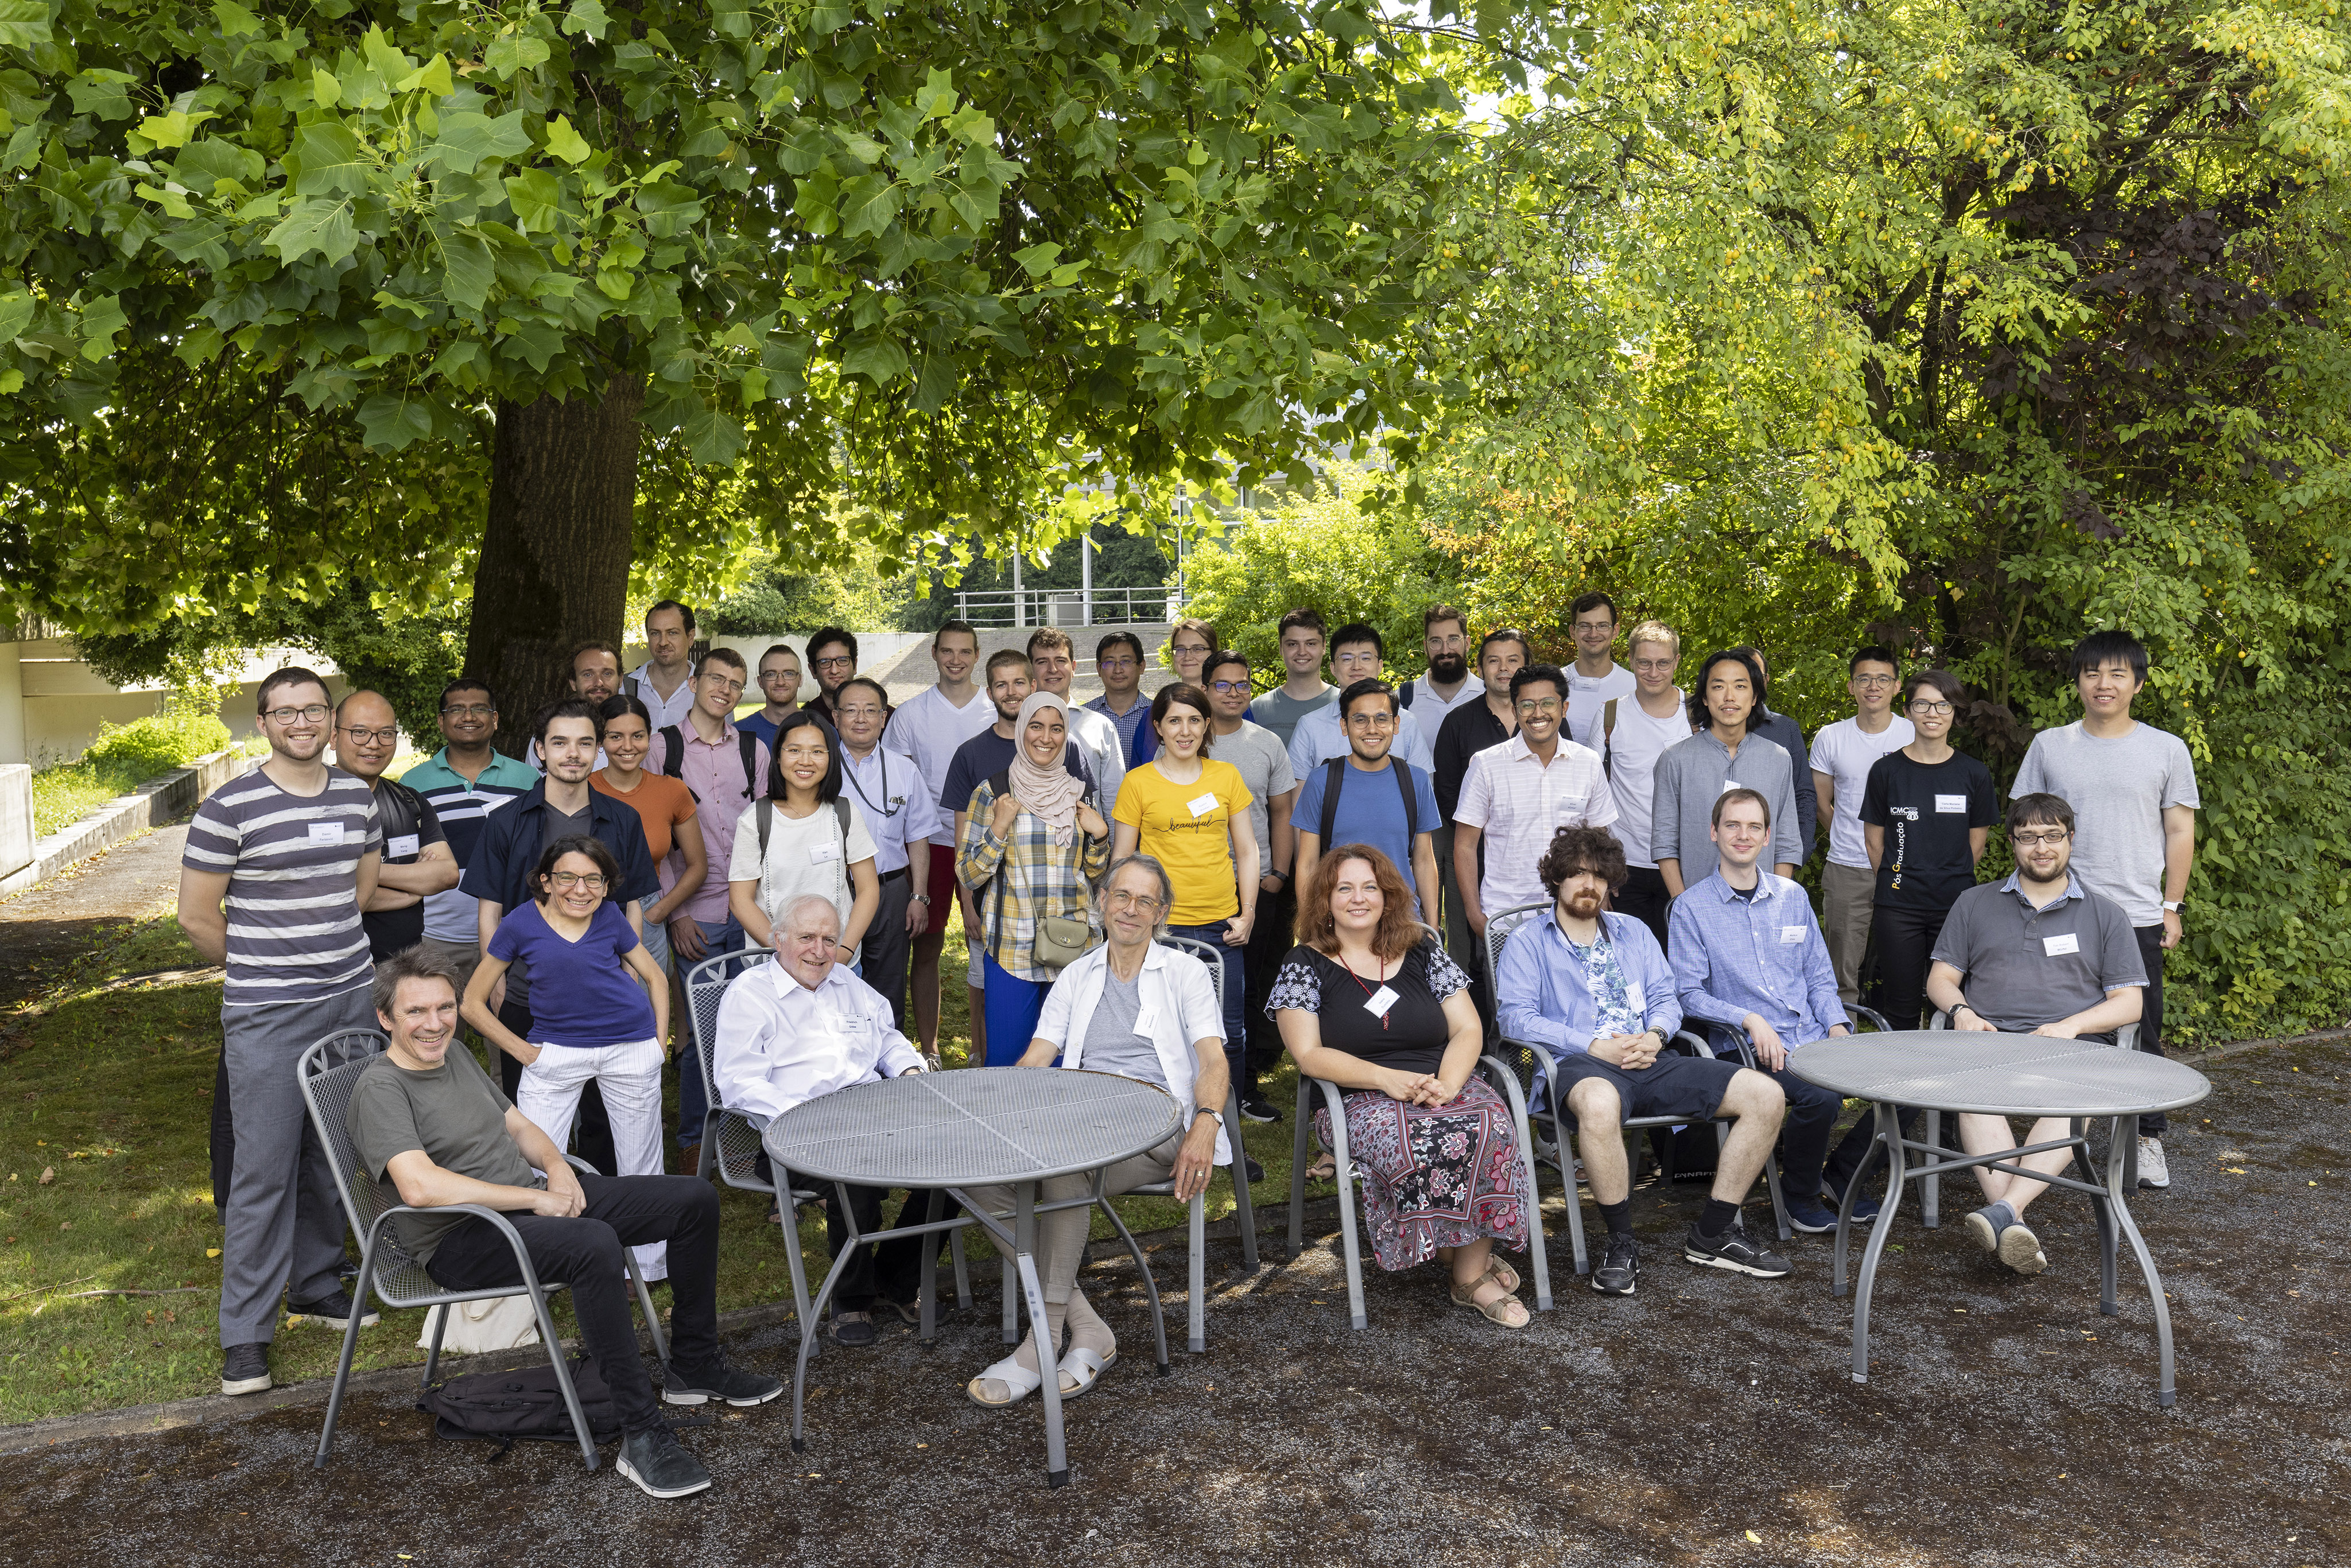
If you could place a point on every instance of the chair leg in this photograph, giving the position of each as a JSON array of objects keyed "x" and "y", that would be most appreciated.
[
  {"x": 580, "y": 1427},
  {"x": 1011, "y": 1304},
  {"x": 1244, "y": 1210},
  {"x": 1298, "y": 1170},
  {"x": 1582, "y": 1253},
  {"x": 351, "y": 1346},
  {"x": 432, "y": 1352},
  {"x": 1346, "y": 1172},
  {"x": 1196, "y": 1335},
  {"x": 1779, "y": 1202},
  {"x": 962, "y": 1269},
  {"x": 788, "y": 1209},
  {"x": 1932, "y": 1187},
  {"x": 1537, "y": 1264}
]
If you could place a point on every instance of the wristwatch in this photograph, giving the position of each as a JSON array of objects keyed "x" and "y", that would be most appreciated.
[
  {"x": 2173, "y": 906},
  {"x": 1217, "y": 1116},
  {"x": 921, "y": 898}
]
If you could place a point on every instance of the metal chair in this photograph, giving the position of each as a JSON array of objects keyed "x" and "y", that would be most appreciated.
[
  {"x": 1528, "y": 1063},
  {"x": 1504, "y": 1082},
  {"x": 326, "y": 1074},
  {"x": 1196, "y": 1328},
  {"x": 1930, "y": 1188},
  {"x": 730, "y": 1144}
]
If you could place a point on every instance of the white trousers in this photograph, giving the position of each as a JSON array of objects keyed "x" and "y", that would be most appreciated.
[{"x": 630, "y": 1079}]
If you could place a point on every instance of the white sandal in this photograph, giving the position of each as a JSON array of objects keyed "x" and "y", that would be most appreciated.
[
  {"x": 1085, "y": 1366},
  {"x": 1022, "y": 1381}
]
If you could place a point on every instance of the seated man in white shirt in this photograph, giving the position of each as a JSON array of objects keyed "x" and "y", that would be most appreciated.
[{"x": 799, "y": 1029}]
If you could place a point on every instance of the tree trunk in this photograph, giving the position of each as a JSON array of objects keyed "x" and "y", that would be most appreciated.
[{"x": 553, "y": 567}]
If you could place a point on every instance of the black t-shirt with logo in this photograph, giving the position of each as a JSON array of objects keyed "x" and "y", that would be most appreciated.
[{"x": 1926, "y": 811}]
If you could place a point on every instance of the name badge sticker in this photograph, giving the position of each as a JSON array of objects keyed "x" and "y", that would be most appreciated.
[
  {"x": 1635, "y": 1001},
  {"x": 1944, "y": 803},
  {"x": 1202, "y": 804},
  {"x": 1381, "y": 1000},
  {"x": 2058, "y": 947},
  {"x": 492, "y": 803},
  {"x": 325, "y": 832},
  {"x": 400, "y": 844},
  {"x": 820, "y": 853},
  {"x": 1729, "y": 785},
  {"x": 1790, "y": 935}
]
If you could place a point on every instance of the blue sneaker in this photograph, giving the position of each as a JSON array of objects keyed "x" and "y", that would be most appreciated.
[
  {"x": 1864, "y": 1208},
  {"x": 1811, "y": 1218}
]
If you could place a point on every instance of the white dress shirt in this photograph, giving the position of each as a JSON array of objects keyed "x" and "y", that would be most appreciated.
[
  {"x": 1517, "y": 803},
  {"x": 781, "y": 1044},
  {"x": 666, "y": 711}
]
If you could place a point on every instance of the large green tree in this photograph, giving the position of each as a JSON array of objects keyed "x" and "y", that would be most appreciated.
[{"x": 293, "y": 292}]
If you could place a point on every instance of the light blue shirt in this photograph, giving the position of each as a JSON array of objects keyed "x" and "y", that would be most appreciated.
[
  {"x": 1319, "y": 736},
  {"x": 1543, "y": 991},
  {"x": 1734, "y": 955}
]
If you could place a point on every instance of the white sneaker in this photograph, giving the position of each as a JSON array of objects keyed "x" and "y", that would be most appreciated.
[{"x": 2152, "y": 1171}]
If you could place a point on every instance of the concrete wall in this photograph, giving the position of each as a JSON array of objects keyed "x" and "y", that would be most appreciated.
[
  {"x": 15, "y": 818},
  {"x": 58, "y": 702}
]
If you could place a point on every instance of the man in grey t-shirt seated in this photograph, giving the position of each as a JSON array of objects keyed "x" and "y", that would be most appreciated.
[
  {"x": 433, "y": 1130},
  {"x": 2036, "y": 953}
]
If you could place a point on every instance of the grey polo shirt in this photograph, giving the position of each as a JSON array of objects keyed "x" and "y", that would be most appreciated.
[
  {"x": 1688, "y": 776},
  {"x": 2026, "y": 967}
]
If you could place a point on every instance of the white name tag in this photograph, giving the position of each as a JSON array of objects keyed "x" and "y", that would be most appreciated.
[
  {"x": 1790, "y": 935},
  {"x": 1729, "y": 785},
  {"x": 1951, "y": 803},
  {"x": 2058, "y": 947},
  {"x": 325, "y": 832},
  {"x": 492, "y": 803},
  {"x": 400, "y": 844},
  {"x": 820, "y": 853},
  {"x": 1634, "y": 999},
  {"x": 1382, "y": 1000},
  {"x": 1202, "y": 805}
]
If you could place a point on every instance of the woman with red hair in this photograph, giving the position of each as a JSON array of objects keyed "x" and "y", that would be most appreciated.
[{"x": 1369, "y": 1000}]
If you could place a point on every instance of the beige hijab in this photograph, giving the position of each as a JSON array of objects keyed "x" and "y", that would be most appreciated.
[{"x": 1049, "y": 793}]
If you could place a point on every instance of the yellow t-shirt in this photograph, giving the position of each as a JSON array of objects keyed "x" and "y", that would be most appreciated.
[{"x": 1187, "y": 829}]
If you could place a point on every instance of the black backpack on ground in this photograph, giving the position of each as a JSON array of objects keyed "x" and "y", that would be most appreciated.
[{"x": 520, "y": 1407}]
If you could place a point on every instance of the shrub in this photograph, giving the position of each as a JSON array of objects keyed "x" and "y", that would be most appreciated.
[{"x": 156, "y": 744}]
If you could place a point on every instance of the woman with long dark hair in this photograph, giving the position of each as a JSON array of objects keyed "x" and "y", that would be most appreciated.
[{"x": 805, "y": 837}]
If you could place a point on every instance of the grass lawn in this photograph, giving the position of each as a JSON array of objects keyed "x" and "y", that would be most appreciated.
[{"x": 105, "y": 1185}]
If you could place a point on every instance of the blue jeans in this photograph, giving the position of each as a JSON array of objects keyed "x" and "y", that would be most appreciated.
[
  {"x": 1013, "y": 1006},
  {"x": 692, "y": 1101},
  {"x": 1236, "y": 993}
]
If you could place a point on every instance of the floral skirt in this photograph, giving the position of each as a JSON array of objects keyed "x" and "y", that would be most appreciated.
[{"x": 1435, "y": 1177}]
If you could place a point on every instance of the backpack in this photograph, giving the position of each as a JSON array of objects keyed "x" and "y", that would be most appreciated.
[
  {"x": 1404, "y": 694},
  {"x": 1608, "y": 730},
  {"x": 674, "y": 760},
  {"x": 1333, "y": 778},
  {"x": 768, "y": 823},
  {"x": 521, "y": 1407}
]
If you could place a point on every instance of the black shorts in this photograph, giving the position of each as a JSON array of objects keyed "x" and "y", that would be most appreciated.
[{"x": 1686, "y": 1088}]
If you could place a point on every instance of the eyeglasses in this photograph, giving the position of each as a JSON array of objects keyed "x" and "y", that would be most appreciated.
[
  {"x": 1607, "y": 626},
  {"x": 1875, "y": 680},
  {"x": 1149, "y": 903},
  {"x": 1932, "y": 710},
  {"x": 1371, "y": 721},
  {"x": 1192, "y": 648},
  {"x": 2030, "y": 839},
  {"x": 1121, "y": 663},
  {"x": 593, "y": 880},
  {"x": 310, "y": 714},
  {"x": 834, "y": 662},
  {"x": 1654, "y": 666},
  {"x": 767, "y": 675},
  {"x": 380, "y": 737},
  {"x": 719, "y": 683},
  {"x": 469, "y": 710},
  {"x": 1539, "y": 705},
  {"x": 1227, "y": 688}
]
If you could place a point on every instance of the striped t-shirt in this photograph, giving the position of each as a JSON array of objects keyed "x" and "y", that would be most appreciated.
[
  {"x": 292, "y": 863},
  {"x": 464, "y": 806}
]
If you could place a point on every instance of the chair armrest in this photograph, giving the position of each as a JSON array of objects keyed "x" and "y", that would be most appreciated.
[
  {"x": 582, "y": 1166},
  {"x": 1940, "y": 1019},
  {"x": 1870, "y": 1016},
  {"x": 1714, "y": 1036},
  {"x": 1690, "y": 1044}
]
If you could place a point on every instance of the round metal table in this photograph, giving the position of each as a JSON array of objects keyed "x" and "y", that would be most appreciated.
[
  {"x": 976, "y": 1127},
  {"x": 1966, "y": 1071}
]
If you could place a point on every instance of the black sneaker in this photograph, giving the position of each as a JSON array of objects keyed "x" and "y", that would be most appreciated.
[
  {"x": 1732, "y": 1250},
  {"x": 334, "y": 1311},
  {"x": 1255, "y": 1107},
  {"x": 1619, "y": 1273},
  {"x": 713, "y": 1379},
  {"x": 244, "y": 1369},
  {"x": 660, "y": 1465}
]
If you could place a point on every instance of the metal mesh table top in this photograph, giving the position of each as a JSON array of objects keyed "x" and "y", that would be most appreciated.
[
  {"x": 1998, "y": 1074},
  {"x": 975, "y": 1126}
]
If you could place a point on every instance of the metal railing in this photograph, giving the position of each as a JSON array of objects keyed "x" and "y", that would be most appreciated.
[{"x": 1069, "y": 606}]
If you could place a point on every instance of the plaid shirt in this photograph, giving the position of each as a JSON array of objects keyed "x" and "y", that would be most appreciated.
[
  {"x": 1023, "y": 880},
  {"x": 1734, "y": 954}
]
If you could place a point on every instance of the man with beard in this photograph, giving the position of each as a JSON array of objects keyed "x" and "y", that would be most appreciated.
[
  {"x": 833, "y": 660},
  {"x": 595, "y": 678},
  {"x": 1591, "y": 986},
  {"x": 293, "y": 847},
  {"x": 1447, "y": 686}
]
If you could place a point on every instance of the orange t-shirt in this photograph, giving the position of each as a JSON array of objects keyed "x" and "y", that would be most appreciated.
[{"x": 664, "y": 804}]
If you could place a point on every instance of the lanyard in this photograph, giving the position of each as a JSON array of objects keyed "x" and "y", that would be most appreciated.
[
  {"x": 1368, "y": 992},
  {"x": 889, "y": 808}
]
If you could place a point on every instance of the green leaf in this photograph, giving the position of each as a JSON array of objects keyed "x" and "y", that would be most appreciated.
[
  {"x": 202, "y": 165},
  {"x": 731, "y": 18},
  {"x": 936, "y": 98},
  {"x": 537, "y": 199},
  {"x": 469, "y": 139},
  {"x": 170, "y": 130},
  {"x": 565, "y": 142},
  {"x": 393, "y": 420},
  {"x": 877, "y": 358},
  {"x": 431, "y": 78},
  {"x": 325, "y": 158},
  {"x": 1038, "y": 259},
  {"x": 324, "y": 88},
  {"x": 101, "y": 321},
  {"x": 715, "y": 439},
  {"x": 235, "y": 20},
  {"x": 868, "y": 203},
  {"x": 936, "y": 384},
  {"x": 468, "y": 270},
  {"x": 24, "y": 23},
  {"x": 16, "y": 312},
  {"x": 585, "y": 16},
  {"x": 321, "y": 225},
  {"x": 514, "y": 52},
  {"x": 199, "y": 346}
]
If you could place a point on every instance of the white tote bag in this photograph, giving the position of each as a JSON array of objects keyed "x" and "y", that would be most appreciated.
[{"x": 494, "y": 1322}]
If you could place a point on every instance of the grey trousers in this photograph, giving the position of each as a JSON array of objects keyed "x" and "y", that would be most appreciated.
[
  {"x": 1846, "y": 895},
  {"x": 283, "y": 1223},
  {"x": 882, "y": 956},
  {"x": 1062, "y": 1235}
]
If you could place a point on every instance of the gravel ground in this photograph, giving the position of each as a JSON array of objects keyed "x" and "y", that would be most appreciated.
[{"x": 1708, "y": 1419}]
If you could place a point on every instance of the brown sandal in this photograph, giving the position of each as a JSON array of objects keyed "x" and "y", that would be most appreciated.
[
  {"x": 1501, "y": 1273},
  {"x": 1504, "y": 1311},
  {"x": 1325, "y": 1169}
]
